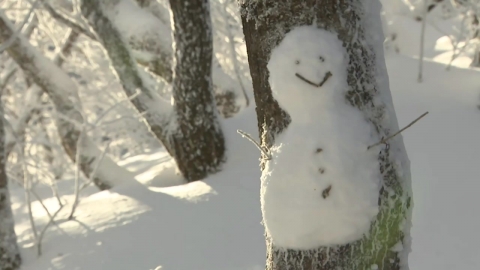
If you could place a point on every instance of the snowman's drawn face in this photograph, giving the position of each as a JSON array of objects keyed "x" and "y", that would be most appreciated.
[
  {"x": 307, "y": 69},
  {"x": 327, "y": 75}
]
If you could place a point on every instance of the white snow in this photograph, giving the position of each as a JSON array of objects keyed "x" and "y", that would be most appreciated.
[
  {"x": 205, "y": 225},
  {"x": 312, "y": 199}
]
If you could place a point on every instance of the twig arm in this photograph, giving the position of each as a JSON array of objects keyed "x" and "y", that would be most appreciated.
[
  {"x": 265, "y": 152},
  {"x": 384, "y": 140}
]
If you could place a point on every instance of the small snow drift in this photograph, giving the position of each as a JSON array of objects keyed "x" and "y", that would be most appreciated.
[{"x": 321, "y": 186}]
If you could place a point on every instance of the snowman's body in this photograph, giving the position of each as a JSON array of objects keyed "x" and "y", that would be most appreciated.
[{"x": 321, "y": 186}]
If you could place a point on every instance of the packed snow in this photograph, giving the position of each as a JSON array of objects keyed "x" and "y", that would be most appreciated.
[{"x": 321, "y": 186}]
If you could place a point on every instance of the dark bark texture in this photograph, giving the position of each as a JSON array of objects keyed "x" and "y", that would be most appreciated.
[
  {"x": 265, "y": 23},
  {"x": 9, "y": 254},
  {"x": 198, "y": 141}
]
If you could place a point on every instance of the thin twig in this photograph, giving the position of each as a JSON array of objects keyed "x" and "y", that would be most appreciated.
[
  {"x": 63, "y": 18},
  {"x": 383, "y": 141},
  {"x": 327, "y": 76},
  {"x": 6, "y": 79},
  {"x": 94, "y": 172},
  {"x": 265, "y": 152},
  {"x": 10, "y": 176},
  {"x": 305, "y": 80},
  {"x": 422, "y": 43},
  {"x": 111, "y": 108},
  {"x": 78, "y": 156},
  {"x": 42, "y": 233},
  {"x": 27, "y": 187},
  {"x": 233, "y": 52}
]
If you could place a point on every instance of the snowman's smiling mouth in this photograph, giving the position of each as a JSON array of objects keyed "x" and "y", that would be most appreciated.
[{"x": 325, "y": 78}]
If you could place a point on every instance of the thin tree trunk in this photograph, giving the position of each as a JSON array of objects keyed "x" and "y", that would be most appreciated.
[
  {"x": 422, "y": 42},
  {"x": 56, "y": 83},
  {"x": 476, "y": 35},
  {"x": 9, "y": 254},
  {"x": 189, "y": 129},
  {"x": 265, "y": 24}
]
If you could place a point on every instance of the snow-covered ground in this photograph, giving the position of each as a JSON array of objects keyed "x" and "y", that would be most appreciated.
[{"x": 215, "y": 224}]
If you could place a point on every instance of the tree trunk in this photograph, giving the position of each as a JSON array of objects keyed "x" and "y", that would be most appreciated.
[
  {"x": 192, "y": 91},
  {"x": 9, "y": 253},
  {"x": 357, "y": 24},
  {"x": 476, "y": 35},
  {"x": 60, "y": 89},
  {"x": 189, "y": 129}
]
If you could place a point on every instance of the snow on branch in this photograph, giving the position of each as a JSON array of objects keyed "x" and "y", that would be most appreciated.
[
  {"x": 126, "y": 69},
  {"x": 63, "y": 92},
  {"x": 44, "y": 72}
]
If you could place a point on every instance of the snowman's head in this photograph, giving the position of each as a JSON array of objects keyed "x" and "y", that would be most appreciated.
[{"x": 307, "y": 70}]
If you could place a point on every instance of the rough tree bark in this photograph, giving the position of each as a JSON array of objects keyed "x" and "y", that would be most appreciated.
[
  {"x": 56, "y": 83},
  {"x": 9, "y": 254},
  {"x": 192, "y": 91},
  {"x": 265, "y": 24},
  {"x": 189, "y": 129}
]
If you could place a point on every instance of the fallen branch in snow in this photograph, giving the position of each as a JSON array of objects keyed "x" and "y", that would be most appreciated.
[
  {"x": 384, "y": 140},
  {"x": 265, "y": 152},
  {"x": 327, "y": 76}
]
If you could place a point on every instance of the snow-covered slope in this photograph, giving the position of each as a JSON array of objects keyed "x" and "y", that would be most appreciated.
[
  {"x": 211, "y": 225},
  {"x": 445, "y": 155},
  {"x": 215, "y": 225}
]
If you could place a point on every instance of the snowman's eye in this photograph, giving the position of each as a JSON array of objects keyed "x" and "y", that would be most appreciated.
[
  {"x": 321, "y": 59},
  {"x": 297, "y": 62}
]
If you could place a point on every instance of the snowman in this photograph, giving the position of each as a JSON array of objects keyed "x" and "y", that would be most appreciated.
[{"x": 321, "y": 185}]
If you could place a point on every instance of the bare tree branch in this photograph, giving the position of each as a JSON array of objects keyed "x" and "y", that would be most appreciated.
[{"x": 384, "y": 141}]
